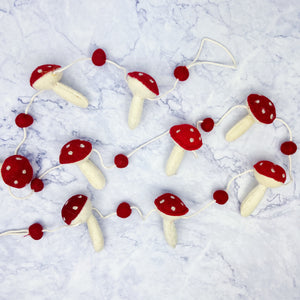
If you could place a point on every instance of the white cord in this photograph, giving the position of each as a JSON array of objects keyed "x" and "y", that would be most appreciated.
[
  {"x": 101, "y": 160},
  {"x": 49, "y": 170},
  {"x": 19, "y": 198},
  {"x": 71, "y": 64},
  {"x": 228, "y": 112},
  {"x": 200, "y": 210},
  {"x": 233, "y": 178},
  {"x": 119, "y": 67},
  {"x": 31, "y": 100},
  {"x": 15, "y": 232},
  {"x": 22, "y": 142},
  {"x": 287, "y": 126}
]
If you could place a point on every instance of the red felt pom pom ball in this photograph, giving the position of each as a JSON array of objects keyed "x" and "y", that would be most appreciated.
[
  {"x": 99, "y": 57},
  {"x": 36, "y": 231},
  {"x": 123, "y": 210},
  {"x": 37, "y": 185},
  {"x": 208, "y": 124},
  {"x": 181, "y": 73},
  {"x": 288, "y": 148},
  {"x": 121, "y": 161},
  {"x": 23, "y": 120},
  {"x": 220, "y": 196}
]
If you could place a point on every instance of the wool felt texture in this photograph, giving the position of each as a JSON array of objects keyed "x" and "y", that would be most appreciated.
[
  {"x": 40, "y": 71},
  {"x": 16, "y": 171},
  {"x": 181, "y": 73},
  {"x": 36, "y": 231},
  {"x": 288, "y": 148},
  {"x": 124, "y": 210},
  {"x": 75, "y": 151},
  {"x": 146, "y": 80},
  {"x": 186, "y": 136},
  {"x": 171, "y": 205},
  {"x": 220, "y": 196},
  {"x": 270, "y": 170},
  {"x": 262, "y": 108},
  {"x": 207, "y": 124},
  {"x": 121, "y": 161},
  {"x": 24, "y": 120},
  {"x": 99, "y": 57},
  {"x": 37, "y": 185}
]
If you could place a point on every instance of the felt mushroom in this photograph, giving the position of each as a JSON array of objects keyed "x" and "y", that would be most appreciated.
[
  {"x": 142, "y": 86},
  {"x": 261, "y": 110},
  {"x": 44, "y": 77},
  {"x": 171, "y": 208},
  {"x": 185, "y": 137},
  {"x": 268, "y": 175},
  {"x": 78, "y": 152},
  {"x": 78, "y": 210},
  {"x": 16, "y": 171}
]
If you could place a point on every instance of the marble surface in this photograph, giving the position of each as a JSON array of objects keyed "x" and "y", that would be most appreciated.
[{"x": 220, "y": 255}]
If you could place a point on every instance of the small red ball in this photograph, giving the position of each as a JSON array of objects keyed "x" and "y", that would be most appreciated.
[
  {"x": 220, "y": 196},
  {"x": 37, "y": 185},
  {"x": 23, "y": 120},
  {"x": 288, "y": 148},
  {"x": 121, "y": 161},
  {"x": 208, "y": 124},
  {"x": 36, "y": 231},
  {"x": 124, "y": 210},
  {"x": 99, "y": 57},
  {"x": 181, "y": 73}
]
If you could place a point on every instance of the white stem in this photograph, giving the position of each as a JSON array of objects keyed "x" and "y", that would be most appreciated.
[
  {"x": 135, "y": 112},
  {"x": 70, "y": 95},
  {"x": 240, "y": 128},
  {"x": 95, "y": 233},
  {"x": 92, "y": 174},
  {"x": 174, "y": 160},
  {"x": 252, "y": 200},
  {"x": 170, "y": 232}
]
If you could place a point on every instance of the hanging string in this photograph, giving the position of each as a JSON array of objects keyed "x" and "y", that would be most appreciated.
[
  {"x": 235, "y": 177},
  {"x": 228, "y": 112},
  {"x": 49, "y": 170},
  {"x": 287, "y": 127},
  {"x": 166, "y": 93},
  {"x": 101, "y": 160},
  {"x": 31, "y": 100},
  {"x": 71, "y": 64},
  {"x": 22, "y": 142},
  {"x": 119, "y": 67},
  {"x": 15, "y": 232},
  {"x": 290, "y": 171},
  {"x": 200, "y": 210},
  {"x": 19, "y": 198},
  {"x": 60, "y": 227}
]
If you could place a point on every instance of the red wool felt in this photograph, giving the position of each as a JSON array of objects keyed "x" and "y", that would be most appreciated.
[
  {"x": 262, "y": 108},
  {"x": 23, "y": 120},
  {"x": 36, "y": 231},
  {"x": 16, "y": 171},
  {"x": 121, "y": 161},
  {"x": 75, "y": 151},
  {"x": 208, "y": 124},
  {"x": 37, "y": 185},
  {"x": 220, "y": 196},
  {"x": 99, "y": 57},
  {"x": 40, "y": 71},
  {"x": 288, "y": 148},
  {"x": 146, "y": 80},
  {"x": 181, "y": 73},
  {"x": 186, "y": 136},
  {"x": 124, "y": 210},
  {"x": 270, "y": 170},
  {"x": 73, "y": 207},
  {"x": 170, "y": 205}
]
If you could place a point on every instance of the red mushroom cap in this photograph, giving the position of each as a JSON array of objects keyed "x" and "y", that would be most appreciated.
[
  {"x": 270, "y": 170},
  {"x": 73, "y": 207},
  {"x": 288, "y": 148},
  {"x": 146, "y": 80},
  {"x": 262, "y": 108},
  {"x": 186, "y": 136},
  {"x": 170, "y": 205},
  {"x": 40, "y": 71},
  {"x": 16, "y": 171},
  {"x": 74, "y": 151}
]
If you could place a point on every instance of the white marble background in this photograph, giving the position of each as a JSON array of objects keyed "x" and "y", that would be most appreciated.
[{"x": 220, "y": 255}]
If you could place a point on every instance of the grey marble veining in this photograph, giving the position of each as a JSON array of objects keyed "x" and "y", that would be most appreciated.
[{"x": 219, "y": 253}]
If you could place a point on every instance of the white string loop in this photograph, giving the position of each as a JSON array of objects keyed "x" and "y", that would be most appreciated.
[
  {"x": 200, "y": 210},
  {"x": 235, "y": 177}
]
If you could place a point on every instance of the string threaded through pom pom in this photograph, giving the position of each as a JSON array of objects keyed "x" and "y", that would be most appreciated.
[
  {"x": 208, "y": 124},
  {"x": 36, "y": 231},
  {"x": 23, "y": 120},
  {"x": 181, "y": 73},
  {"x": 220, "y": 196},
  {"x": 99, "y": 57},
  {"x": 288, "y": 148},
  {"x": 124, "y": 210},
  {"x": 37, "y": 185},
  {"x": 121, "y": 161}
]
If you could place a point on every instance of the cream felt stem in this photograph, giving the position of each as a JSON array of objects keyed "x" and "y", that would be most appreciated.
[
  {"x": 239, "y": 128},
  {"x": 70, "y": 95},
  {"x": 92, "y": 174},
  {"x": 252, "y": 200},
  {"x": 174, "y": 160},
  {"x": 95, "y": 233},
  {"x": 135, "y": 112},
  {"x": 170, "y": 232}
]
